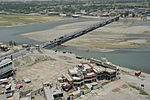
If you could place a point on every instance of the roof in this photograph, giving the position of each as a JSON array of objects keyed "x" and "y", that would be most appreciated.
[
  {"x": 99, "y": 69},
  {"x": 90, "y": 74},
  {"x": 5, "y": 61},
  {"x": 73, "y": 70},
  {"x": 68, "y": 77},
  {"x": 2, "y": 44},
  {"x": 25, "y": 98},
  {"x": 46, "y": 82},
  {"x": 27, "y": 80},
  {"x": 86, "y": 66},
  {"x": 80, "y": 65},
  {"x": 110, "y": 70},
  {"x": 48, "y": 93},
  {"x": 76, "y": 78},
  {"x": 55, "y": 89}
]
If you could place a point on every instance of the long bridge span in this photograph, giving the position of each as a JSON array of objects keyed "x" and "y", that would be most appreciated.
[{"x": 60, "y": 40}]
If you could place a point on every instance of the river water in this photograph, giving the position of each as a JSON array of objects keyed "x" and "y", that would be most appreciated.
[
  {"x": 13, "y": 33},
  {"x": 138, "y": 59}
]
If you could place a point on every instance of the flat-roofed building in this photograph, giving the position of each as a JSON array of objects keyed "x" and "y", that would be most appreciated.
[
  {"x": 88, "y": 72},
  {"x": 6, "y": 68},
  {"x": 78, "y": 81},
  {"x": 52, "y": 91},
  {"x": 56, "y": 91},
  {"x": 66, "y": 82},
  {"x": 90, "y": 77},
  {"x": 47, "y": 91},
  {"x": 74, "y": 72},
  {"x": 86, "y": 68},
  {"x": 104, "y": 73}
]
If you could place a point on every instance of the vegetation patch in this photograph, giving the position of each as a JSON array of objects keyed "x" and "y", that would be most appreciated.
[
  {"x": 5, "y": 24},
  {"x": 10, "y": 20},
  {"x": 86, "y": 87},
  {"x": 31, "y": 60},
  {"x": 58, "y": 98},
  {"x": 141, "y": 91},
  {"x": 41, "y": 59}
]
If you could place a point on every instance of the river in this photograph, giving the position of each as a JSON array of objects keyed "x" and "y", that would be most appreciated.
[
  {"x": 13, "y": 33},
  {"x": 138, "y": 59}
]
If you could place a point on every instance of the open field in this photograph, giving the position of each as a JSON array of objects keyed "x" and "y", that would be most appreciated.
[
  {"x": 43, "y": 67},
  {"x": 115, "y": 35},
  {"x": 13, "y": 20}
]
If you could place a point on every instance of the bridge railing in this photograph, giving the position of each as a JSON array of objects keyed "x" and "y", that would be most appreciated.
[{"x": 76, "y": 34}]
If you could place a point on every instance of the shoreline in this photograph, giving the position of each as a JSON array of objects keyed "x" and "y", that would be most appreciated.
[
  {"x": 65, "y": 18},
  {"x": 25, "y": 20}
]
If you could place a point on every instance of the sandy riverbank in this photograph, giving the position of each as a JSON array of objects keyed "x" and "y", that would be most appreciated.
[{"x": 115, "y": 35}]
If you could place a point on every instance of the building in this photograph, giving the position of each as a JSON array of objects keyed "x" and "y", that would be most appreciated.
[
  {"x": 88, "y": 72},
  {"x": 3, "y": 47},
  {"x": 6, "y": 68},
  {"x": 78, "y": 81},
  {"x": 77, "y": 76},
  {"x": 104, "y": 73},
  {"x": 66, "y": 82},
  {"x": 105, "y": 70},
  {"x": 52, "y": 91}
]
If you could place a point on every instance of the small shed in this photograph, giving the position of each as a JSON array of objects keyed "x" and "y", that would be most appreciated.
[
  {"x": 27, "y": 80},
  {"x": 25, "y": 45}
]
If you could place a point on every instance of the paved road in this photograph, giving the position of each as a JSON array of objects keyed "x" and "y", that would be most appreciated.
[{"x": 15, "y": 54}]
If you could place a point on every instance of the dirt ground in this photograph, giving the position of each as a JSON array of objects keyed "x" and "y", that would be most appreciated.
[
  {"x": 117, "y": 90},
  {"x": 43, "y": 67}
]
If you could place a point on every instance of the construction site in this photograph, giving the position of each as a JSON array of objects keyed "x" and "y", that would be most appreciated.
[{"x": 53, "y": 75}]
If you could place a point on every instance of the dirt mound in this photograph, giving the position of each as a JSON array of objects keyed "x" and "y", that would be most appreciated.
[{"x": 116, "y": 90}]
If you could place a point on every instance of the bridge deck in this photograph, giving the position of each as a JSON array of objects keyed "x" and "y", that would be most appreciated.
[{"x": 62, "y": 39}]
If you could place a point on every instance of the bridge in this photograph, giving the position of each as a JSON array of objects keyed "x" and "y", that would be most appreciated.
[{"x": 60, "y": 40}]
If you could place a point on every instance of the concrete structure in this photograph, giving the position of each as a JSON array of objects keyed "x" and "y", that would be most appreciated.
[
  {"x": 6, "y": 68},
  {"x": 104, "y": 73},
  {"x": 66, "y": 82},
  {"x": 70, "y": 36},
  {"x": 77, "y": 77},
  {"x": 78, "y": 81},
  {"x": 89, "y": 74},
  {"x": 52, "y": 91},
  {"x": 47, "y": 91}
]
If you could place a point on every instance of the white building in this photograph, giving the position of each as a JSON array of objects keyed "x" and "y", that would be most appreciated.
[{"x": 6, "y": 68}]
